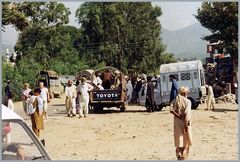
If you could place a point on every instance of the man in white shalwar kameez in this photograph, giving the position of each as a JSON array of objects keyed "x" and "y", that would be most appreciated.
[
  {"x": 84, "y": 88},
  {"x": 210, "y": 98},
  {"x": 70, "y": 93},
  {"x": 129, "y": 89}
]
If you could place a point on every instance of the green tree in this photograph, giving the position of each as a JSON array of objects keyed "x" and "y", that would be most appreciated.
[
  {"x": 221, "y": 18},
  {"x": 123, "y": 35},
  {"x": 52, "y": 45},
  {"x": 11, "y": 15},
  {"x": 43, "y": 14},
  {"x": 9, "y": 72}
]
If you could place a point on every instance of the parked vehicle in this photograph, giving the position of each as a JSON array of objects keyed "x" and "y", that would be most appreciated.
[
  {"x": 51, "y": 81},
  {"x": 113, "y": 97},
  {"x": 18, "y": 135},
  {"x": 189, "y": 73}
]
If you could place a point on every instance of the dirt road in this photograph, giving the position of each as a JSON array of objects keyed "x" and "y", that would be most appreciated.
[{"x": 138, "y": 135}]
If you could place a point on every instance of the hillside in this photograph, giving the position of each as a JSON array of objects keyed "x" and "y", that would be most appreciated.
[
  {"x": 183, "y": 43},
  {"x": 186, "y": 42}
]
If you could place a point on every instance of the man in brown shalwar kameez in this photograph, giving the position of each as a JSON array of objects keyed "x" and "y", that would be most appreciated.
[
  {"x": 181, "y": 109},
  {"x": 37, "y": 115}
]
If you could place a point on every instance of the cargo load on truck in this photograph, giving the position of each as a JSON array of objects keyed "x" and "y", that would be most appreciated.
[
  {"x": 84, "y": 73},
  {"x": 109, "y": 89}
]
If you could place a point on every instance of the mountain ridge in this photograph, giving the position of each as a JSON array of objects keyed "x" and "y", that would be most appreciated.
[{"x": 186, "y": 42}]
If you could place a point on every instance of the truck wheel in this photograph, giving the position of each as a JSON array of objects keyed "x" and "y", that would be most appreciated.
[
  {"x": 95, "y": 109},
  {"x": 122, "y": 109},
  {"x": 155, "y": 107},
  {"x": 194, "y": 104},
  {"x": 100, "y": 108},
  {"x": 160, "y": 107}
]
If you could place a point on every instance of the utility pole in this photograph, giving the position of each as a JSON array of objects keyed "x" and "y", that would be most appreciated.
[{"x": 120, "y": 48}]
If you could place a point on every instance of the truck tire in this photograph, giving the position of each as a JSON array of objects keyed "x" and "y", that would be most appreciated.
[
  {"x": 194, "y": 103},
  {"x": 97, "y": 108},
  {"x": 160, "y": 107},
  {"x": 155, "y": 107},
  {"x": 122, "y": 109}
]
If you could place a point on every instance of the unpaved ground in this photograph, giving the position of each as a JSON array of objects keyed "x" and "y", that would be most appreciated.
[{"x": 138, "y": 135}]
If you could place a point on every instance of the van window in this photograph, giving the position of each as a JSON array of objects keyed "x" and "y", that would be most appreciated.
[
  {"x": 16, "y": 139},
  {"x": 195, "y": 75},
  {"x": 185, "y": 76},
  {"x": 176, "y": 76},
  {"x": 164, "y": 78}
]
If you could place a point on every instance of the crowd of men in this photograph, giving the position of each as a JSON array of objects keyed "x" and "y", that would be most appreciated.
[{"x": 77, "y": 101}]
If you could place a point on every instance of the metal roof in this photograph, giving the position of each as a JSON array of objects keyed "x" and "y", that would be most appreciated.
[
  {"x": 9, "y": 114},
  {"x": 180, "y": 66}
]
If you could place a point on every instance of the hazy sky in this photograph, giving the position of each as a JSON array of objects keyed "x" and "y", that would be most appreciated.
[{"x": 176, "y": 15}]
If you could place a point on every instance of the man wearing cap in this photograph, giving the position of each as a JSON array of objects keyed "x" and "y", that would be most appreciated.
[
  {"x": 174, "y": 88},
  {"x": 25, "y": 96},
  {"x": 71, "y": 94},
  {"x": 210, "y": 98},
  {"x": 84, "y": 88},
  {"x": 180, "y": 107},
  {"x": 45, "y": 96},
  {"x": 7, "y": 92},
  {"x": 37, "y": 114},
  {"x": 150, "y": 95}
]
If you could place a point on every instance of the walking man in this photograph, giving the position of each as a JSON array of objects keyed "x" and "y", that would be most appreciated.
[
  {"x": 210, "y": 98},
  {"x": 150, "y": 95},
  {"x": 174, "y": 88},
  {"x": 7, "y": 92},
  {"x": 181, "y": 109},
  {"x": 70, "y": 101},
  {"x": 45, "y": 96},
  {"x": 84, "y": 90},
  {"x": 37, "y": 112},
  {"x": 25, "y": 95}
]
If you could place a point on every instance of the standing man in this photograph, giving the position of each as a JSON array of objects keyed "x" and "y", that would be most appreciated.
[
  {"x": 129, "y": 88},
  {"x": 84, "y": 90},
  {"x": 45, "y": 96},
  {"x": 25, "y": 96},
  {"x": 7, "y": 92},
  {"x": 150, "y": 95},
  {"x": 174, "y": 88},
  {"x": 37, "y": 112},
  {"x": 70, "y": 102},
  {"x": 181, "y": 109},
  {"x": 210, "y": 98},
  {"x": 107, "y": 78}
]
